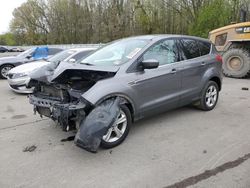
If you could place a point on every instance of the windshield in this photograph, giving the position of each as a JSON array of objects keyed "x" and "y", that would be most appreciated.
[
  {"x": 26, "y": 52},
  {"x": 61, "y": 56},
  {"x": 116, "y": 53}
]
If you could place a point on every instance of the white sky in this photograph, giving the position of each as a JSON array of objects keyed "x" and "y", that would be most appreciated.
[{"x": 6, "y": 10}]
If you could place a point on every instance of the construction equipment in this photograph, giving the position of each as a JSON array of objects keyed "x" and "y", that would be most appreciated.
[{"x": 233, "y": 41}]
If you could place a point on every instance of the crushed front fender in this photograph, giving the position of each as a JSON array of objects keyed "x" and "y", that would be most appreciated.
[{"x": 96, "y": 125}]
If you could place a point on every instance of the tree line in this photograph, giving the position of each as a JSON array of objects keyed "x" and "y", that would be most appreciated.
[{"x": 100, "y": 21}]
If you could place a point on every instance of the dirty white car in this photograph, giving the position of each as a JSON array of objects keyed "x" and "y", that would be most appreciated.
[{"x": 18, "y": 77}]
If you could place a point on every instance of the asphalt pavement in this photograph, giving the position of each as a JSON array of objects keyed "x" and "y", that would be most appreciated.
[{"x": 179, "y": 148}]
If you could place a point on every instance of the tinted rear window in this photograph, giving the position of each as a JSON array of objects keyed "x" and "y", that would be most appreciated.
[
  {"x": 190, "y": 48},
  {"x": 204, "y": 47}
]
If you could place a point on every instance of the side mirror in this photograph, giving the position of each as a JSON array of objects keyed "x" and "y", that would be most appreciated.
[
  {"x": 150, "y": 64},
  {"x": 29, "y": 56},
  {"x": 72, "y": 60}
]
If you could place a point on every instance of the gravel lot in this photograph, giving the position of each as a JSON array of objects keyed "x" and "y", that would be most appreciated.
[{"x": 179, "y": 148}]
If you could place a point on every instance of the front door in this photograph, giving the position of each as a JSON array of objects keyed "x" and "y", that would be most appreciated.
[{"x": 159, "y": 89}]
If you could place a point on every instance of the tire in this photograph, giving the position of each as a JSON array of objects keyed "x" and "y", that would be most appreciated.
[
  {"x": 208, "y": 94},
  {"x": 236, "y": 63},
  {"x": 114, "y": 141},
  {"x": 3, "y": 70}
]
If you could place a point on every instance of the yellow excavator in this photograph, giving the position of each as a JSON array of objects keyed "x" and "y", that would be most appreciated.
[{"x": 233, "y": 41}]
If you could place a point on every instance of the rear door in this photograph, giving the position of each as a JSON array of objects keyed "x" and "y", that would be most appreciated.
[{"x": 195, "y": 54}]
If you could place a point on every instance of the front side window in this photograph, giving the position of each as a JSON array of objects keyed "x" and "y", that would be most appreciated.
[
  {"x": 220, "y": 40},
  {"x": 190, "y": 48},
  {"x": 165, "y": 52},
  {"x": 116, "y": 53},
  {"x": 81, "y": 55}
]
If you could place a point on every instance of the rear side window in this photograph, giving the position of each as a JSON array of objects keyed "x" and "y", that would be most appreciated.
[
  {"x": 53, "y": 51},
  {"x": 190, "y": 48},
  {"x": 220, "y": 40},
  {"x": 205, "y": 47}
]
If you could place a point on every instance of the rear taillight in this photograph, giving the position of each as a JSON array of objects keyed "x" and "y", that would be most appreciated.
[{"x": 219, "y": 58}]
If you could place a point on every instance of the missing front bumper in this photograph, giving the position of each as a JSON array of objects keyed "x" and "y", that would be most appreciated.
[{"x": 68, "y": 115}]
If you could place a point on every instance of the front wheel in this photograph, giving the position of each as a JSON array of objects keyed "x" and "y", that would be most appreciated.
[
  {"x": 117, "y": 133},
  {"x": 4, "y": 69},
  {"x": 209, "y": 96}
]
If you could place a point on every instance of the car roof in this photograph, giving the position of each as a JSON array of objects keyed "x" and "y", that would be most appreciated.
[
  {"x": 82, "y": 49},
  {"x": 157, "y": 37}
]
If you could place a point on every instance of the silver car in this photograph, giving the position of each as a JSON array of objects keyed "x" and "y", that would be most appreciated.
[
  {"x": 18, "y": 77},
  {"x": 149, "y": 74},
  {"x": 30, "y": 55}
]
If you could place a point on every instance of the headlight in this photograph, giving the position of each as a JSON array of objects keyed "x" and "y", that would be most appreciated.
[{"x": 19, "y": 75}]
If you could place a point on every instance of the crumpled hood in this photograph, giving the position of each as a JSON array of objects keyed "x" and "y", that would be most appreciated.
[
  {"x": 28, "y": 67},
  {"x": 66, "y": 70}
]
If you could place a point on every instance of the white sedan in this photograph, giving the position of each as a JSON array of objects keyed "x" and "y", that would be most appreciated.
[{"x": 18, "y": 77}]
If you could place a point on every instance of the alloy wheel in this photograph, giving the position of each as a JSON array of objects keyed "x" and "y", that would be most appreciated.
[
  {"x": 211, "y": 96},
  {"x": 116, "y": 131},
  {"x": 5, "y": 71}
]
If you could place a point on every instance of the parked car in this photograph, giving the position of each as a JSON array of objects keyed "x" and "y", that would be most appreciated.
[
  {"x": 18, "y": 77},
  {"x": 16, "y": 49},
  {"x": 3, "y": 49},
  {"x": 33, "y": 54},
  {"x": 149, "y": 74}
]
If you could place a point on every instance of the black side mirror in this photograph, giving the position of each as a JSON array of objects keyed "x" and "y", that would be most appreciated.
[
  {"x": 150, "y": 64},
  {"x": 29, "y": 56}
]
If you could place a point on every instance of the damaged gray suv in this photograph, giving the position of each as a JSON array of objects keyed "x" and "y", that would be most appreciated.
[{"x": 125, "y": 81}]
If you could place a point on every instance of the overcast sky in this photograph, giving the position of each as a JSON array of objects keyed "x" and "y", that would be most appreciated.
[{"x": 6, "y": 10}]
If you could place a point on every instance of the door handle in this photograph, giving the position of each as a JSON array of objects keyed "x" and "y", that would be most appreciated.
[{"x": 173, "y": 71}]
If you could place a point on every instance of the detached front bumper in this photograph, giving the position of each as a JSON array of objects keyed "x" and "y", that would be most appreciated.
[
  {"x": 68, "y": 115},
  {"x": 19, "y": 84}
]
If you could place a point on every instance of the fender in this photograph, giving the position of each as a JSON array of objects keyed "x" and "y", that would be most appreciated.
[
  {"x": 210, "y": 74},
  {"x": 103, "y": 90}
]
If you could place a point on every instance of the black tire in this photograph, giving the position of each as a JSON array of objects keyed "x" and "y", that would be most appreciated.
[
  {"x": 2, "y": 76},
  {"x": 203, "y": 100},
  {"x": 108, "y": 145},
  {"x": 236, "y": 63}
]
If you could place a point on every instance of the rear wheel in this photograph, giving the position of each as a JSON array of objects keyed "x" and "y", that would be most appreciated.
[
  {"x": 236, "y": 63},
  {"x": 4, "y": 69},
  {"x": 209, "y": 96},
  {"x": 119, "y": 131}
]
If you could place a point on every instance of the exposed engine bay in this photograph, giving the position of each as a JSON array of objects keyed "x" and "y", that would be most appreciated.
[{"x": 61, "y": 99}]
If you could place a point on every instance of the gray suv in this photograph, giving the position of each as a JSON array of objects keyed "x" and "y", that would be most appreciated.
[{"x": 149, "y": 74}]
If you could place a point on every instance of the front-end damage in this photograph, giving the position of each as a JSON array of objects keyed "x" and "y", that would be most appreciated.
[
  {"x": 96, "y": 124},
  {"x": 61, "y": 98}
]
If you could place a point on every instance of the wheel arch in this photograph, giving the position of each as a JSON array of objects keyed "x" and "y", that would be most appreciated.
[
  {"x": 217, "y": 80},
  {"x": 1, "y": 67},
  {"x": 124, "y": 100},
  {"x": 7, "y": 64}
]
